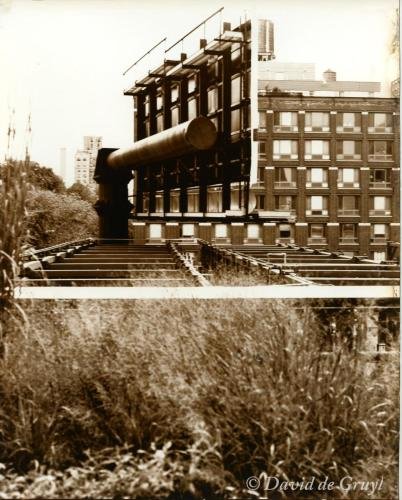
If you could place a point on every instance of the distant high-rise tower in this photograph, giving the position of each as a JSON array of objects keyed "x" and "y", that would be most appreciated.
[
  {"x": 265, "y": 40},
  {"x": 85, "y": 160}
]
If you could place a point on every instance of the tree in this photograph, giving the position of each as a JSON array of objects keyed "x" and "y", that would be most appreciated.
[
  {"x": 82, "y": 192},
  {"x": 56, "y": 218},
  {"x": 44, "y": 178}
]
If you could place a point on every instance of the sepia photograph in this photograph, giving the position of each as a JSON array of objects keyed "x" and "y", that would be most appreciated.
[{"x": 199, "y": 249}]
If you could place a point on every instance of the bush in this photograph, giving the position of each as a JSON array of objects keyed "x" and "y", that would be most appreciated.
[
  {"x": 56, "y": 218},
  {"x": 198, "y": 394}
]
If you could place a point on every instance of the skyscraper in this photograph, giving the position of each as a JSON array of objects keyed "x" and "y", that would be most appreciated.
[
  {"x": 85, "y": 160},
  {"x": 265, "y": 40}
]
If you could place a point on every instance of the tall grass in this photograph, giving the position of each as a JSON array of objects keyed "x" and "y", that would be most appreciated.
[
  {"x": 187, "y": 399},
  {"x": 13, "y": 192}
]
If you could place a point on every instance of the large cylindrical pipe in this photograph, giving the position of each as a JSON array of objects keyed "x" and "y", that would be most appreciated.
[{"x": 188, "y": 137}]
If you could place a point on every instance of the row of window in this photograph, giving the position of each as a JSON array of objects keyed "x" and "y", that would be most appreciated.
[
  {"x": 320, "y": 150},
  {"x": 214, "y": 199},
  {"x": 317, "y": 177},
  {"x": 316, "y": 121},
  {"x": 348, "y": 205},
  {"x": 317, "y": 233}
]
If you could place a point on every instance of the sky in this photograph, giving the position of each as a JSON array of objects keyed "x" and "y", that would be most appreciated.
[{"x": 62, "y": 61}]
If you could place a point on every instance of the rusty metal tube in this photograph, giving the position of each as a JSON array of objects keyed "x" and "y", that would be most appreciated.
[{"x": 189, "y": 137}]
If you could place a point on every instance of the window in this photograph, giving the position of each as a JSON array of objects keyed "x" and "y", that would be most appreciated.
[
  {"x": 155, "y": 231},
  {"x": 235, "y": 120},
  {"x": 187, "y": 230},
  {"x": 253, "y": 231},
  {"x": 380, "y": 178},
  {"x": 159, "y": 101},
  {"x": 348, "y": 205},
  {"x": 285, "y": 121},
  {"x": 261, "y": 149},
  {"x": 317, "y": 177},
  {"x": 236, "y": 196},
  {"x": 262, "y": 120},
  {"x": 213, "y": 102},
  {"x": 174, "y": 96},
  {"x": 236, "y": 90},
  {"x": 175, "y": 116},
  {"x": 348, "y": 233},
  {"x": 316, "y": 150},
  {"x": 285, "y": 177},
  {"x": 159, "y": 123},
  {"x": 348, "y": 150},
  {"x": 214, "y": 199},
  {"x": 380, "y": 205},
  {"x": 145, "y": 202},
  {"x": 192, "y": 108},
  {"x": 348, "y": 122},
  {"x": 285, "y": 150},
  {"x": 379, "y": 233},
  {"x": 285, "y": 203},
  {"x": 380, "y": 123},
  {"x": 260, "y": 202},
  {"x": 316, "y": 122},
  {"x": 317, "y": 234},
  {"x": 260, "y": 175},
  {"x": 175, "y": 201},
  {"x": 317, "y": 205},
  {"x": 380, "y": 150},
  {"x": 348, "y": 177},
  {"x": 285, "y": 233},
  {"x": 193, "y": 200},
  {"x": 221, "y": 231},
  {"x": 159, "y": 201},
  {"x": 191, "y": 84}
]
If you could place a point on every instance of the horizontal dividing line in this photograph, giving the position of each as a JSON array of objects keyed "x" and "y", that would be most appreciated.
[{"x": 213, "y": 292}]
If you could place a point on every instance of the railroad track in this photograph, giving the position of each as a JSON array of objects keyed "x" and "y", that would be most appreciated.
[{"x": 119, "y": 263}]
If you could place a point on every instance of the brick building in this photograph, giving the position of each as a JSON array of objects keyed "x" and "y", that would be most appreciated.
[{"x": 333, "y": 164}]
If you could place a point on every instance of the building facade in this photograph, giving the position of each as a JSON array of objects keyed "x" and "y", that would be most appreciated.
[
  {"x": 85, "y": 161},
  {"x": 202, "y": 193},
  {"x": 333, "y": 164}
]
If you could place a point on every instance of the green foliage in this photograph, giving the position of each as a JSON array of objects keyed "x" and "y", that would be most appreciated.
[
  {"x": 82, "y": 192},
  {"x": 191, "y": 405},
  {"x": 55, "y": 218}
]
